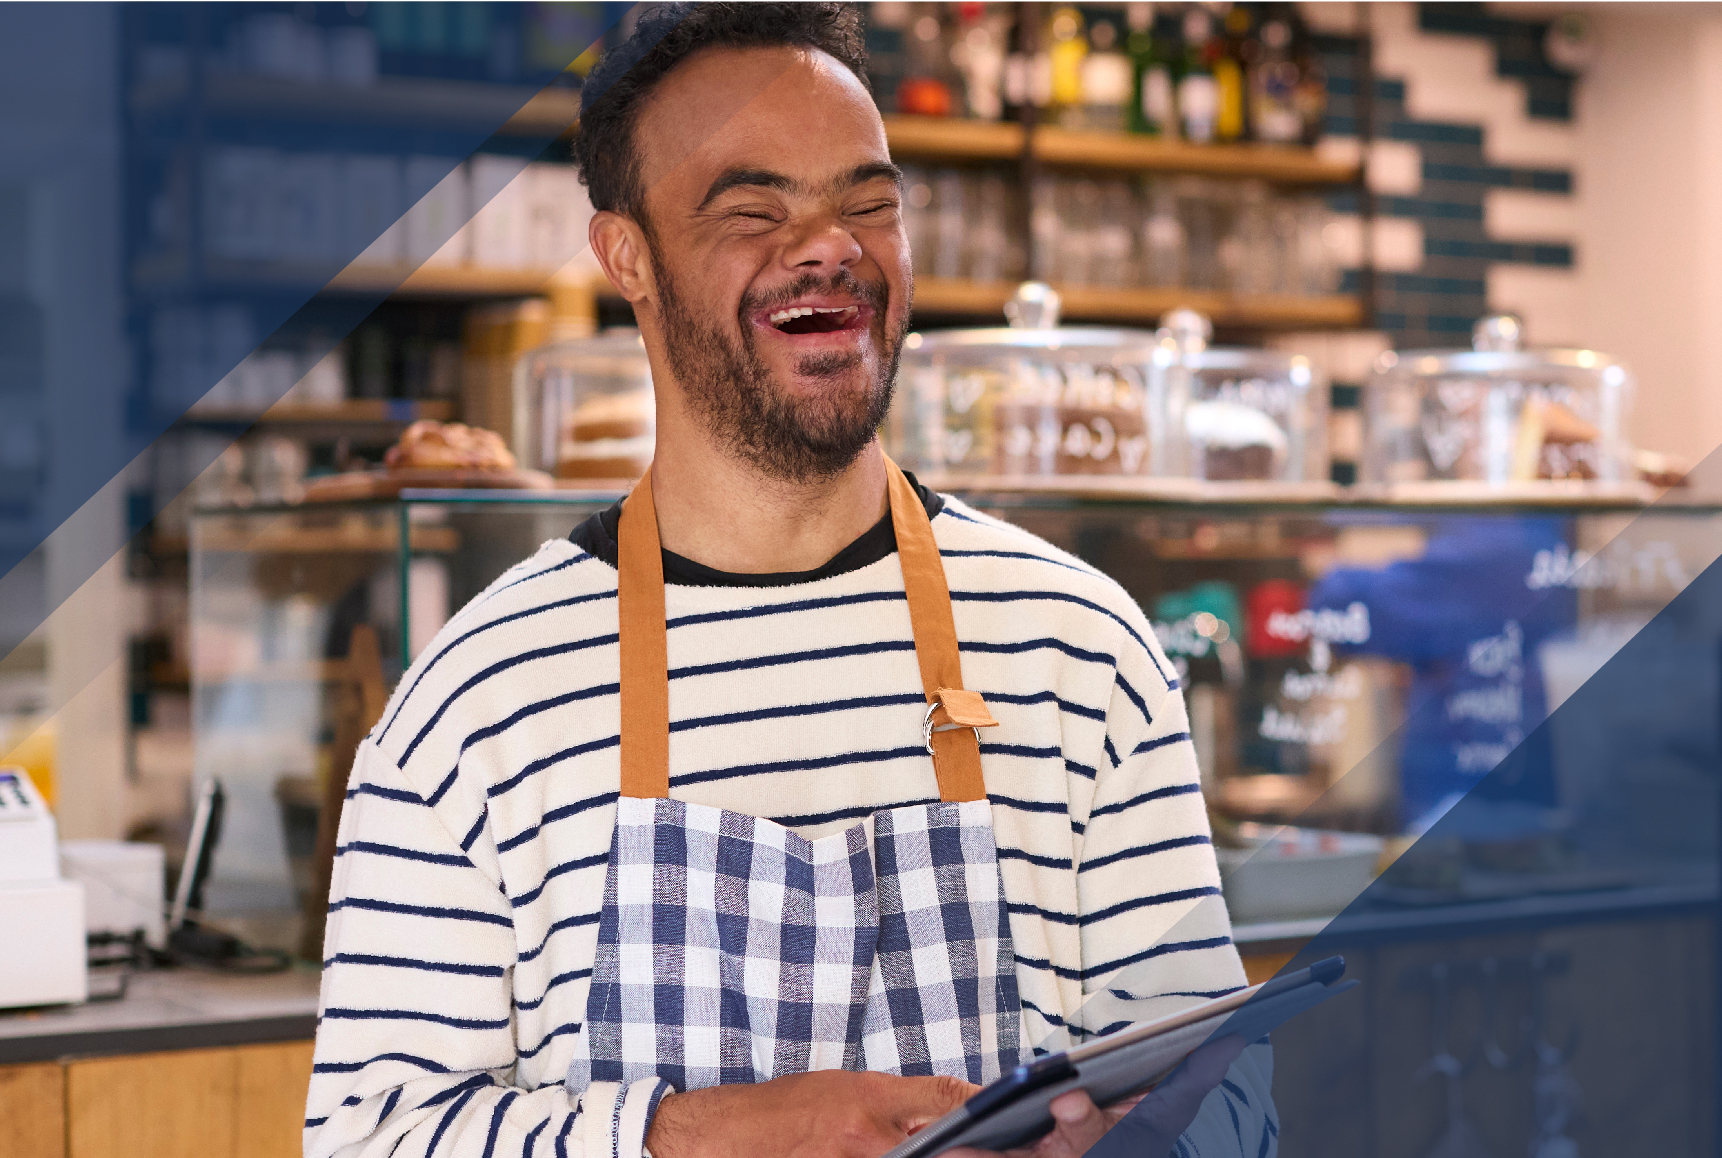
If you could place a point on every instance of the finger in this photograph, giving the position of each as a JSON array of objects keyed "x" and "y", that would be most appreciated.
[
  {"x": 926, "y": 1099},
  {"x": 1080, "y": 1124}
]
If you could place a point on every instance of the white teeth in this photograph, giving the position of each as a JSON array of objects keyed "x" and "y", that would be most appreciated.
[{"x": 780, "y": 316}]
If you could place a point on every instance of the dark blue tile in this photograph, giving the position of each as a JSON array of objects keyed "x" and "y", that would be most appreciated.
[
  {"x": 1482, "y": 174},
  {"x": 1328, "y": 45},
  {"x": 1450, "y": 324},
  {"x": 1463, "y": 19},
  {"x": 1421, "y": 207},
  {"x": 1558, "y": 255},
  {"x": 1434, "y": 131},
  {"x": 1551, "y": 180},
  {"x": 1484, "y": 250}
]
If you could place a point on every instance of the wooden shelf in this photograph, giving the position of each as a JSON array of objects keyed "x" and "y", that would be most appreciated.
[
  {"x": 169, "y": 271},
  {"x": 453, "y": 281},
  {"x": 1124, "y": 151},
  {"x": 522, "y": 111},
  {"x": 947, "y": 138},
  {"x": 354, "y": 410},
  {"x": 1145, "y": 306},
  {"x": 951, "y": 139},
  {"x": 405, "y": 101}
]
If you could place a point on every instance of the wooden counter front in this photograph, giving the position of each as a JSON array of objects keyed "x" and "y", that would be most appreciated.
[{"x": 239, "y": 1102}]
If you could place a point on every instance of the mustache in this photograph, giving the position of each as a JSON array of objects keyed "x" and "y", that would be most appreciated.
[{"x": 874, "y": 293}]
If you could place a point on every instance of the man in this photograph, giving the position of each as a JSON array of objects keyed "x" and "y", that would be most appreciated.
[{"x": 648, "y": 853}]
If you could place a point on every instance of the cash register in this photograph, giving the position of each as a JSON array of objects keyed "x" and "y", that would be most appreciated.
[{"x": 44, "y": 961}]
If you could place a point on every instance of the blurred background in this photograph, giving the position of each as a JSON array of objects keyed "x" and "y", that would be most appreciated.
[{"x": 1371, "y": 347}]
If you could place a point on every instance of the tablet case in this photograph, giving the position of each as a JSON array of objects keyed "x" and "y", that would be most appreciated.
[{"x": 1013, "y": 1111}]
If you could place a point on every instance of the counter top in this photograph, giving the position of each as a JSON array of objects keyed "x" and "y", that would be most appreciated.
[
  {"x": 187, "y": 1009},
  {"x": 1380, "y": 922},
  {"x": 169, "y": 1009}
]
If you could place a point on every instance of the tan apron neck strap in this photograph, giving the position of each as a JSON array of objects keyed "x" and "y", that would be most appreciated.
[
  {"x": 951, "y": 735},
  {"x": 953, "y": 715},
  {"x": 645, "y": 692}
]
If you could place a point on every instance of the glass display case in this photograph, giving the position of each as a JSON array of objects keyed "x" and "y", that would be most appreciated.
[
  {"x": 1037, "y": 399},
  {"x": 1349, "y": 665},
  {"x": 276, "y": 595},
  {"x": 583, "y": 407},
  {"x": 1499, "y": 416}
]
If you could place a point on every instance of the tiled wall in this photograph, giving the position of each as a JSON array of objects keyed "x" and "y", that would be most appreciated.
[{"x": 1472, "y": 168}]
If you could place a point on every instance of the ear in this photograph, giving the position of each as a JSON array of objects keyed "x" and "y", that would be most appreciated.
[{"x": 620, "y": 247}]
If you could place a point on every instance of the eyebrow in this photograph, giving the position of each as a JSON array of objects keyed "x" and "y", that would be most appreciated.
[{"x": 770, "y": 179}]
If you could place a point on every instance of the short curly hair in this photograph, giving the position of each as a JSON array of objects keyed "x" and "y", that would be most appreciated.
[{"x": 604, "y": 148}]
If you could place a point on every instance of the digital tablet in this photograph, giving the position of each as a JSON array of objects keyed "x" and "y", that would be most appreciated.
[{"x": 1015, "y": 1110}]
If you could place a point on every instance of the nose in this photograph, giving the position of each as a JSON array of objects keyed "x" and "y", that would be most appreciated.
[{"x": 822, "y": 246}]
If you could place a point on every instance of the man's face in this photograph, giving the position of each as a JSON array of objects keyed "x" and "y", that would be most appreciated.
[{"x": 782, "y": 271}]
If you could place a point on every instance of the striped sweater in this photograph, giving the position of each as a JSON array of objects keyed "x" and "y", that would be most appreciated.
[{"x": 463, "y": 919}]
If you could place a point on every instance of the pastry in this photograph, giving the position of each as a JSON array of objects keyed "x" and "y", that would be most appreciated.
[
  {"x": 430, "y": 445},
  {"x": 1087, "y": 420},
  {"x": 1231, "y": 441},
  {"x": 608, "y": 436}
]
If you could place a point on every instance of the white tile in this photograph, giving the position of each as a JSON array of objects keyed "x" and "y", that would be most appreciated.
[
  {"x": 1547, "y": 299},
  {"x": 1398, "y": 244},
  {"x": 1339, "y": 150},
  {"x": 1351, "y": 354},
  {"x": 1522, "y": 215},
  {"x": 1452, "y": 79},
  {"x": 1329, "y": 17},
  {"x": 1518, "y": 140},
  {"x": 1344, "y": 357},
  {"x": 1396, "y": 168}
]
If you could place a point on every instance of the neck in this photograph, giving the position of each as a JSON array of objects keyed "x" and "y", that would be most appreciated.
[{"x": 721, "y": 512}]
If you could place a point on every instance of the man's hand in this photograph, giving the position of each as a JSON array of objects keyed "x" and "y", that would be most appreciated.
[
  {"x": 1166, "y": 1112},
  {"x": 827, "y": 1113}
]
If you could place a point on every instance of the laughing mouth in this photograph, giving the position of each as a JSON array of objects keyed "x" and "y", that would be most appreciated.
[{"x": 813, "y": 319}]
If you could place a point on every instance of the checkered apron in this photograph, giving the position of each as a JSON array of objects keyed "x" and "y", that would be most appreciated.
[{"x": 731, "y": 949}]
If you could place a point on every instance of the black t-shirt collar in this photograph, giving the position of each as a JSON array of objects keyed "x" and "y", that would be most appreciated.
[{"x": 597, "y": 536}]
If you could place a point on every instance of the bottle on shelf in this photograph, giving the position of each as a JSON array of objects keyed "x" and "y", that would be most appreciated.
[
  {"x": 1311, "y": 84},
  {"x": 1106, "y": 80},
  {"x": 927, "y": 89},
  {"x": 1153, "y": 111},
  {"x": 979, "y": 56},
  {"x": 1069, "y": 46},
  {"x": 1027, "y": 69},
  {"x": 1198, "y": 90},
  {"x": 887, "y": 52},
  {"x": 1274, "y": 87},
  {"x": 1228, "y": 54}
]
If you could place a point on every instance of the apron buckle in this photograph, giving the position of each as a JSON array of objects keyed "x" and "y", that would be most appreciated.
[{"x": 966, "y": 709}]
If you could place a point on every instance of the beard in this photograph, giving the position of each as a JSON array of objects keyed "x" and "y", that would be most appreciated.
[{"x": 788, "y": 438}]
